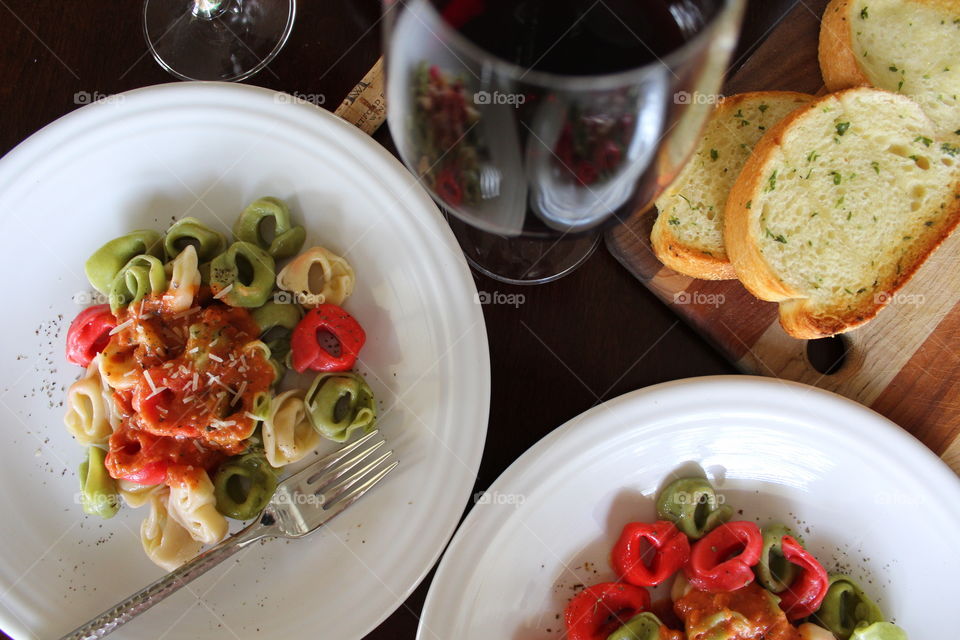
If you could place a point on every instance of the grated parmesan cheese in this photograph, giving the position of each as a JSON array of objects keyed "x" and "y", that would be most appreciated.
[
  {"x": 223, "y": 292},
  {"x": 146, "y": 375},
  {"x": 240, "y": 390},
  {"x": 188, "y": 312},
  {"x": 120, "y": 327},
  {"x": 156, "y": 391}
]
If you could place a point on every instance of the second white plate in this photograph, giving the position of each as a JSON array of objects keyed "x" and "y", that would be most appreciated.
[{"x": 868, "y": 498}]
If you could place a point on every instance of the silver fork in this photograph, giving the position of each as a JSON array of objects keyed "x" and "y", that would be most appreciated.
[{"x": 328, "y": 486}]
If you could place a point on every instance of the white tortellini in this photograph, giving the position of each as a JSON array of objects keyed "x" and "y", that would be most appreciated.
[
  {"x": 136, "y": 495},
  {"x": 288, "y": 435},
  {"x": 194, "y": 506},
  {"x": 164, "y": 540},
  {"x": 88, "y": 416},
  {"x": 119, "y": 366},
  {"x": 336, "y": 282},
  {"x": 184, "y": 280},
  {"x": 681, "y": 587}
]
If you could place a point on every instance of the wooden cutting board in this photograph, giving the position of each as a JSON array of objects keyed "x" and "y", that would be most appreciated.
[{"x": 904, "y": 364}]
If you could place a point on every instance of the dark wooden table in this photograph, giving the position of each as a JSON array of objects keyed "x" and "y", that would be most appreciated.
[{"x": 591, "y": 336}]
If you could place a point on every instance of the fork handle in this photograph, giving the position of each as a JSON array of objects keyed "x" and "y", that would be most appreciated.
[{"x": 123, "y": 612}]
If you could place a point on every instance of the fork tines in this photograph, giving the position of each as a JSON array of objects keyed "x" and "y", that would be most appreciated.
[{"x": 337, "y": 478}]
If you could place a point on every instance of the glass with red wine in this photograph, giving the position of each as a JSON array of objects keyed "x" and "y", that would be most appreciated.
[{"x": 536, "y": 124}]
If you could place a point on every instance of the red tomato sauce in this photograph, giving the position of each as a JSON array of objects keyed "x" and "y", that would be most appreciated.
[
  {"x": 198, "y": 375},
  {"x": 767, "y": 621}
]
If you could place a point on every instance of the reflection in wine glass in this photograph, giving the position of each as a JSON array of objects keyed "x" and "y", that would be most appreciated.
[
  {"x": 216, "y": 39},
  {"x": 535, "y": 124}
]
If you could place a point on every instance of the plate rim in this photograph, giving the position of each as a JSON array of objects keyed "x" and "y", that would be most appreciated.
[
  {"x": 17, "y": 162},
  {"x": 888, "y": 433}
]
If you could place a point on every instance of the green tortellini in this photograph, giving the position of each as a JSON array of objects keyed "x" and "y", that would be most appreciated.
[
  {"x": 879, "y": 631},
  {"x": 247, "y": 271},
  {"x": 277, "y": 321},
  {"x": 141, "y": 276},
  {"x": 187, "y": 231},
  {"x": 102, "y": 267},
  {"x": 287, "y": 238},
  {"x": 339, "y": 404},
  {"x": 243, "y": 485},
  {"x": 774, "y": 572},
  {"x": 692, "y": 504},
  {"x": 261, "y": 405},
  {"x": 277, "y": 315},
  {"x": 644, "y": 626},
  {"x": 98, "y": 491},
  {"x": 278, "y": 367},
  {"x": 846, "y": 607}
]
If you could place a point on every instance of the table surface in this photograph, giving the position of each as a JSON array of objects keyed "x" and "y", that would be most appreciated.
[{"x": 568, "y": 346}]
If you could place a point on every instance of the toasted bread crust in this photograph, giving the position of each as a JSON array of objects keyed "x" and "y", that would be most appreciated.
[
  {"x": 685, "y": 259},
  {"x": 689, "y": 260},
  {"x": 743, "y": 251},
  {"x": 838, "y": 62},
  {"x": 801, "y": 322},
  {"x": 797, "y": 316}
]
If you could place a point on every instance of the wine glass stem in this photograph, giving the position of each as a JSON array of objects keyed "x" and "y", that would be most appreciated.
[{"x": 209, "y": 9}]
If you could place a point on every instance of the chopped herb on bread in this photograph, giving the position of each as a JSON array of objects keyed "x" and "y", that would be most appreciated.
[
  {"x": 688, "y": 233},
  {"x": 838, "y": 206},
  {"x": 910, "y": 47}
]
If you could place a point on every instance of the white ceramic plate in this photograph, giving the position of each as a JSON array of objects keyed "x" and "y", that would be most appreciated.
[
  {"x": 866, "y": 496},
  {"x": 138, "y": 160}
]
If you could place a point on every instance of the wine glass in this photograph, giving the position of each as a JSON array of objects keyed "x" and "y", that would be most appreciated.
[
  {"x": 536, "y": 124},
  {"x": 216, "y": 39}
]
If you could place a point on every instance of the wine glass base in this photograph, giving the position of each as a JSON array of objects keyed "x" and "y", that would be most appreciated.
[
  {"x": 522, "y": 260},
  {"x": 236, "y": 41}
]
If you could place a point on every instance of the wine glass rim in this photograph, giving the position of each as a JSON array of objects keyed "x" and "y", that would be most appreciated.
[{"x": 616, "y": 78}]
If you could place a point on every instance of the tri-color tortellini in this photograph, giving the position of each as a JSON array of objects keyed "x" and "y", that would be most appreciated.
[
  {"x": 287, "y": 237},
  {"x": 277, "y": 320},
  {"x": 185, "y": 404},
  {"x": 732, "y": 580},
  {"x": 645, "y": 626},
  {"x": 207, "y": 243},
  {"x": 332, "y": 285},
  {"x": 774, "y": 572},
  {"x": 340, "y": 404},
  {"x": 192, "y": 503},
  {"x": 288, "y": 434},
  {"x": 242, "y": 276},
  {"x": 692, "y": 504},
  {"x": 184, "y": 279},
  {"x": 143, "y": 275},
  {"x": 165, "y": 541},
  {"x": 847, "y": 608},
  {"x": 244, "y": 485},
  {"x": 98, "y": 491},
  {"x": 104, "y": 265},
  {"x": 89, "y": 407}
]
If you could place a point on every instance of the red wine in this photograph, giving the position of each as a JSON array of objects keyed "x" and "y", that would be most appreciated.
[{"x": 575, "y": 37}]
